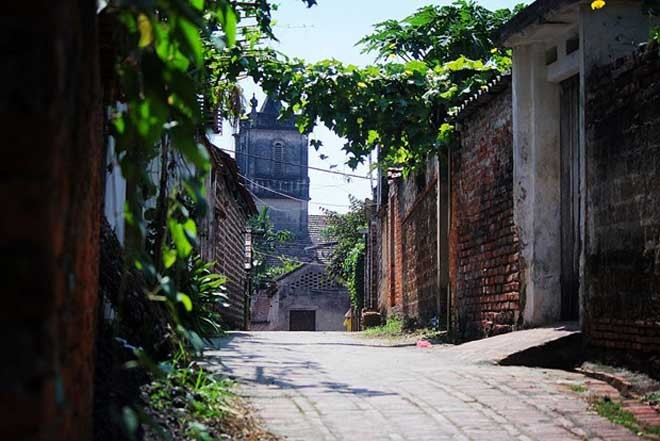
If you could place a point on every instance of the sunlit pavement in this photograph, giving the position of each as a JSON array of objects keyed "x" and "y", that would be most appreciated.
[{"x": 336, "y": 386}]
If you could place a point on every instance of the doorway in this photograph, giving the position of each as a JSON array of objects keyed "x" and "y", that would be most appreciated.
[
  {"x": 302, "y": 320},
  {"x": 570, "y": 197}
]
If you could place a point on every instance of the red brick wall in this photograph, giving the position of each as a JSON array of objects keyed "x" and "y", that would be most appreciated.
[
  {"x": 404, "y": 242},
  {"x": 50, "y": 119},
  {"x": 395, "y": 250},
  {"x": 382, "y": 252},
  {"x": 419, "y": 246},
  {"x": 484, "y": 273},
  {"x": 621, "y": 296}
]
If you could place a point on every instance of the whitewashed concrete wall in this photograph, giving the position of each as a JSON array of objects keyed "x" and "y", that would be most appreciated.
[{"x": 604, "y": 36}]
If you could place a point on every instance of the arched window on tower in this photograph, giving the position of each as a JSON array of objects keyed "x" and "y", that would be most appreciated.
[{"x": 278, "y": 158}]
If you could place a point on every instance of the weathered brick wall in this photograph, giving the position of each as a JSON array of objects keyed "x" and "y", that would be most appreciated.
[
  {"x": 51, "y": 173},
  {"x": 404, "y": 240},
  {"x": 395, "y": 249},
  {"x": 383, "y": 259},
  {"x": 372, "y": 258},
  {"x": 230, "y": 236},
  {"x": 622, "y": 274},
  {"x": 483, "y": 242},
  {"x": 419, "y": 243}
]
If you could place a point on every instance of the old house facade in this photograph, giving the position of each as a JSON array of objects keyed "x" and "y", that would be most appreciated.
[
  {"x": 224, "y": 235},
  {"x": 272, "y": 155},
  {"x": 306, "y": 298},
  {"x": 552, "y": 188},
  {"x": 582, "y": 100}
]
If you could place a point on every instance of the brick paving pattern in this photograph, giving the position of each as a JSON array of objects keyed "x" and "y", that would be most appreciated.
[{"x": 336, "y": 386}]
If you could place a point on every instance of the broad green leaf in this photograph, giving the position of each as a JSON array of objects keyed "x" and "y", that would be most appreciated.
[
  {"x": 183, "y": 247},
  {"x": 190, "y": 228},
  {"x": 185, "y": 301},
  {"x": 119, "y": 123},
  {"x": 145, "y": 30},
  {"x": 229, "y": 25},
  {"x": 169, "y": 257},
  {"x": 189, "y": 34}
]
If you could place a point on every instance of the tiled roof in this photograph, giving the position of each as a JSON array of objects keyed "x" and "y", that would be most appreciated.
[
  {"x": 316, "y": 224},
  {"x": 309, "y": 249},
  {"x": 222, "y": 161}
]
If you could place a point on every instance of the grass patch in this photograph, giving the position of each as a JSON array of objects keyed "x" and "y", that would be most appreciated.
[
  {"x": 191, "y": 404},
  {"x": 392, "y": 328},
  {"x": 652, "y": 398},
  {"x": 200, "y": 399},
  {"x": 615, "y": 413},
  {"x": 396, "y": 328},
  {"x": 578, "y": 388}
]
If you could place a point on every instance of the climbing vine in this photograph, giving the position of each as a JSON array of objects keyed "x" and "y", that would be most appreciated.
[
  {"x": 426, "y": 65},
  {"x": 346, "y": 260},
  {"x": 178, "y": 63},
  {"x": 177, "y": 66}
]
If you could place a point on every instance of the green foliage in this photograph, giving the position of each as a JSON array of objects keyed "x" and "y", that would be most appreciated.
[
  {"x": 265, "y": 240},
  {"x": 207, "y": 295},
  {"x": 177, "y": 62},
  {"x": 345, "y": 229},
  {"x": 347, "y": 258},
  {"x": 287, "y": 265},
  {"x": 353, "y": 270},
  {"x": 437, "y": 34},
  {"x": 655, "y": 34},
  {"x": 615, "y": 412},
  {"x": 404, "y": 108},
  {"x": 652, "y": 398},
  {"x": 203, "y": 400}
]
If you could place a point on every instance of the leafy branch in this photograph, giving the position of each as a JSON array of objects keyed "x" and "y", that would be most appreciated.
[{"x": 403, "y": 108}]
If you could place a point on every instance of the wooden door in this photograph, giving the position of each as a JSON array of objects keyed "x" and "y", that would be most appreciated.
[
  {"x": 570, "y": 197},
  {"x": 302, "y": 320}
]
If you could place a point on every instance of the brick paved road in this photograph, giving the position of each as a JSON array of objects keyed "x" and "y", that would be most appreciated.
[{"x": 334, "y": 386}]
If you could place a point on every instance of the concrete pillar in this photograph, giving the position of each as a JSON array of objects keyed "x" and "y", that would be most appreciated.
[{"x": 536, "y": 178}]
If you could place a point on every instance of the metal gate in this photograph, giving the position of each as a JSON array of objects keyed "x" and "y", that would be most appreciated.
[{"x": 570, "y": 197}]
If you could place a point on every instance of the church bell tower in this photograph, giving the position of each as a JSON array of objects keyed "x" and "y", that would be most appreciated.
[{"x": 272, "y": 155}]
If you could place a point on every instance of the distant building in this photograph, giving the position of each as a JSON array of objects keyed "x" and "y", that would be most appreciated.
[{"x": 272, "y": 155}]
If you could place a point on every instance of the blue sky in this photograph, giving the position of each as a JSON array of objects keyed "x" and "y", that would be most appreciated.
[{"x": 330, "y": 30}]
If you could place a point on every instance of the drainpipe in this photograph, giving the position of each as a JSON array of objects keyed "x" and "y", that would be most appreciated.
[
  {"x": 443, "y": 226},
  {"x": 438, "y": 204},
  {"x": 448, "y": 229}
]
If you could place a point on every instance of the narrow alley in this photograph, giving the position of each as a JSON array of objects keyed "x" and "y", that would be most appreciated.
[
  {"x": 335, "y": 386},
  {"x": 325, "y": 220}
]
